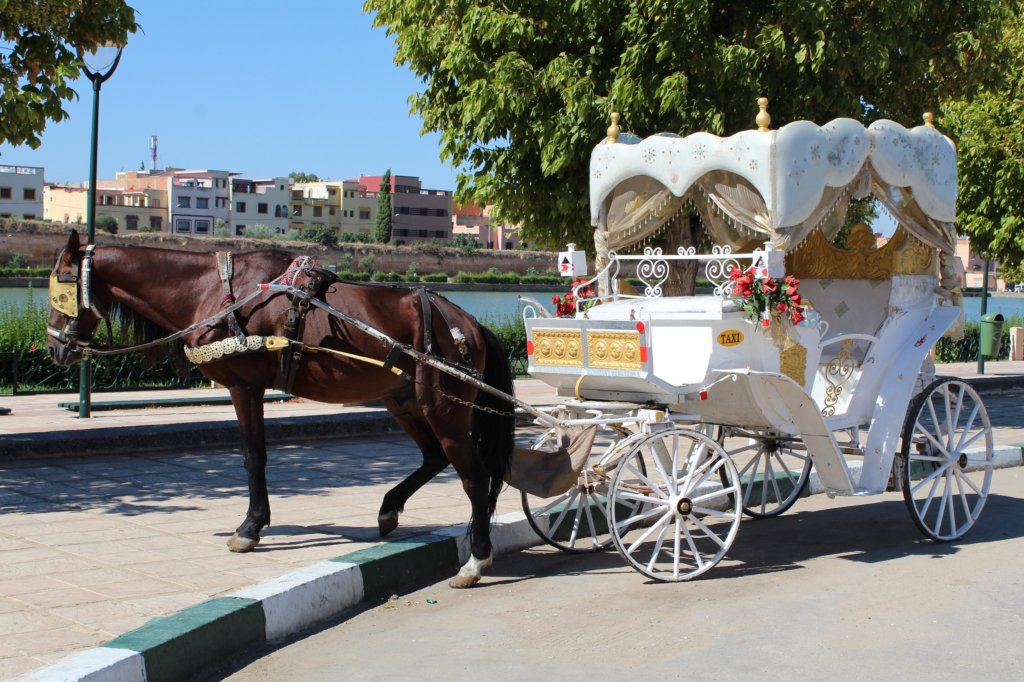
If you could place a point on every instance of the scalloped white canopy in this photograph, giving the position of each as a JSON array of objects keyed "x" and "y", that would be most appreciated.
[{"x": 779, "y": 184}]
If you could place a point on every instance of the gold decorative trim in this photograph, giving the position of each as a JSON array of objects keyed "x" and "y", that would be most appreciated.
[
  {"x": 903, "y": 254},
  {"x": 837, "y": 372},
  {"x": 793, "y": 362},
  {"x": 614, "y": 350},
  {"x": 553, "y": 347}
]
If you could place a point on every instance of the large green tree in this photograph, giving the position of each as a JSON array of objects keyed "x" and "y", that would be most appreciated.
[
  {"x": 989, "y": 130},
  {"x": 520, "y": 92},
  {"x": 41, "y": 45}
]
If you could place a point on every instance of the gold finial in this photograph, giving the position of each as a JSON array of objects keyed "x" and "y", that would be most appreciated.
[
  {"x": 613, "y": 129},
  {"x": 763, "y": 119},
  {"x": 929, "y": 119}
]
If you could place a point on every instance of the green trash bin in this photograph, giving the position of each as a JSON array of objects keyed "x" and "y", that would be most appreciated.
[{"x": 991, "y": 334}]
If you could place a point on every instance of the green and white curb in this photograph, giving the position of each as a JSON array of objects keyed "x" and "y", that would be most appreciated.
[{"x": 178, "y": 646}]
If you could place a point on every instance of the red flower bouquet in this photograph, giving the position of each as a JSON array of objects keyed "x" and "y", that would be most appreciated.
[
  {"x": 764, "y": 298},
  {"x": 565, "y": 306}
]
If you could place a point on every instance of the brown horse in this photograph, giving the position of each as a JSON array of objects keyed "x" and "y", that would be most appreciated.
[{"x": 180, "y": 291}]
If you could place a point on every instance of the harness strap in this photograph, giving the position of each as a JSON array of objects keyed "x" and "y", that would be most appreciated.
[
  {"x": 428, "y": 320},
  {"x": 226, "y": 270}
]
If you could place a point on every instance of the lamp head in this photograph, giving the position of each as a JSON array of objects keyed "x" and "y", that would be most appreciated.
[{"x": 101, "y": 60}]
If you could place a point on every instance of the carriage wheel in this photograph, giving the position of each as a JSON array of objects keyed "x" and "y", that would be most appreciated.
[
  {"x": 689, "y": 518},
  {"x": 577, "y": 520},
  {"x": 773, "y": 472},
  {"x": 946, "y": 459}
]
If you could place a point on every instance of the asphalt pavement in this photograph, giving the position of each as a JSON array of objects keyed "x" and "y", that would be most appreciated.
[{"x": 112, "y": 532}]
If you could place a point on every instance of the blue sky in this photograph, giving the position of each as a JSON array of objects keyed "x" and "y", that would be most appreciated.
[{"x": 256, "y": 87}]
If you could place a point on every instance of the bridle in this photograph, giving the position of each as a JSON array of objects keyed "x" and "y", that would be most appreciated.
[{"x": 69, "y": 293}]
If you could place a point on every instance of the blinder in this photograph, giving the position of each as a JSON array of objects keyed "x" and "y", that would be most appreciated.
[{"x": 64, "y": 298}]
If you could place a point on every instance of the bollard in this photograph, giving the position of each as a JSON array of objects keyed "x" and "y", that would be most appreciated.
[{"x": 1017, "y": 343}]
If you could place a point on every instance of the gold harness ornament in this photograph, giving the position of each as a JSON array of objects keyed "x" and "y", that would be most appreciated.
[{"x": 64, "y": 295}]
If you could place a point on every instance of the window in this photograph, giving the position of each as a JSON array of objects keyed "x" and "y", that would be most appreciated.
[
  {"x": 261, "y": 208},
  {"x": 331, "y": 192},
  {"x": 222, "y": 202},
  {"x": 239, "y": 230},
  {"x": 421, "y": 233},
  {"x": 29, "y": 193},
  {"x": 318, "y": 211},
  {"x": 332, "y": 210},
  {"x": 439, "y": 234},
  {"x": 240, "y": 207},
  {"x": 156, "y": 222},
  {"x": 280, "y": 211},
  {"x": 131, "y": 222},
  {"x": 202, "y": 227},
  {"x": 202, "y": 202},
  {"x": 403, "y": 210},
  {"x": 29, "y": 216},
  {"x": 184, "y": 226},
  {"x": 364, "y": 214},
  {"x": 184, "y": 202},
  {"x": 5, "y": 192}
]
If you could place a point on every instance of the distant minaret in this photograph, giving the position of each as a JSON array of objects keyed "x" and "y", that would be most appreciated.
[{"x": 152, "y": 148}]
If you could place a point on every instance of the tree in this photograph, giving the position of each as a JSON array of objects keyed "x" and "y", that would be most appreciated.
[
  {"x": 989, "y": 130},
  {"x": 382, "y": 229},
  {"x": 42, "y": 45},
  {"x": 107, "y": 223},
  {"x": 319, "y": 234},
  {"x": 520, "y": 97},
  {"x": 296, "y": 176}
]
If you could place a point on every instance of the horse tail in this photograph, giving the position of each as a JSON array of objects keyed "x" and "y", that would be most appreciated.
[{"x": 494, "y": 432}]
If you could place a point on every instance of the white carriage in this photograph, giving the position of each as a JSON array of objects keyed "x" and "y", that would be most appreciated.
[{"x": 703, "y": 411}]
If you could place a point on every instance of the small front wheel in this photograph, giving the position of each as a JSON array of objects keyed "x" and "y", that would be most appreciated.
[
  {"x": 947, "y": 459},
  {"x": 674, "y": 518}
]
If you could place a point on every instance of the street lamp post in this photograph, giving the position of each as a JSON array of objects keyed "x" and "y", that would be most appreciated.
[{"x": 99, "y": 65}]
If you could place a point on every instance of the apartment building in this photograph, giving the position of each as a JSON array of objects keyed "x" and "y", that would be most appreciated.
[
  {"x": 418, "y": 214},
  {"x": 261, "y": 202},
  {"x": 358, "y": 208},
  {"x": 132, "y": 208},
  {"x": 316, "y": 203},
  {"x": 21, "y": 192},
  {"x": 198, "y": 199},
  {"x": 474, "y": 221}
]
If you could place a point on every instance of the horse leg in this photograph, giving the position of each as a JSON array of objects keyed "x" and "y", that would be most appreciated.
[
  {"x": 248, "y": 403},
  {"x": 475, "y": 482},
  {"x": 410, "y": 419}
]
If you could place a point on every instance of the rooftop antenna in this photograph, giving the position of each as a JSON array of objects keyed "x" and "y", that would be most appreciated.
[{"x": 152, "y": 148}]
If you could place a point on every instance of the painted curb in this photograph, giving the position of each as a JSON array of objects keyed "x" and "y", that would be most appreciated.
[{"x": 179, "y": 646}]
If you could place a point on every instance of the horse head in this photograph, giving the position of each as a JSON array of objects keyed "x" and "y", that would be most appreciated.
[{"x": 73, "y": 315}]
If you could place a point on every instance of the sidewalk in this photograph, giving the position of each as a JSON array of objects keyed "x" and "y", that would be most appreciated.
[{"x": 111, "y": 522}]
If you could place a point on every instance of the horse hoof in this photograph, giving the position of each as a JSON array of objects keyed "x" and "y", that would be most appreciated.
[
  {"x": 387, "y": 523},
  {"x": 461, "y": 582},
  {"x": 240, "y": 545}
]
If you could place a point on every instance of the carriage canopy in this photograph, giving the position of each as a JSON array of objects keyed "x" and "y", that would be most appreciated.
[{"x": 773, "y": 185}]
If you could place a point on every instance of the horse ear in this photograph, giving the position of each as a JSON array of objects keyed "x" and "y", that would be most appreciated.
[{"x": 73, "y": 241}]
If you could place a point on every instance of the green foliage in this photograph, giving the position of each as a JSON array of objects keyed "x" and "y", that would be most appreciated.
[
  {"x": 353, "y": 276},
  {"x": 356, "y": 238},
  {"x": 465, "y": 243},
  {"x": 107, "y": 223},
  {"x": 296, "y": 176},
  {"x": 521, "y": 92},
  {"x": 990, "y": 144},
  {"x": 221, "y": 229},
  {"x": 259, "y": 231},
  {"x": 366, "y": 263},
  {"x": 386, "y": 277},
  {"x": 434, "y": 277},
  {"x": 42, "y": 41},
  {"x": 383, "y": 227},
  {"x": 16, "y": 261},
  {"x": 859, "y": 211},
  {"x": 319, "y": 234},
  {"x": 24, "y": 272},
  {"x": 512, "y": 334},
  {"x": 143, "y": 229}
]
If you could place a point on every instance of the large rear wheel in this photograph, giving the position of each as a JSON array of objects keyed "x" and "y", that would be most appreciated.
[{"x": 946, "y": 459}]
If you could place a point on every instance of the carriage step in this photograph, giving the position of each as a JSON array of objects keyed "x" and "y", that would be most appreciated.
[{"x": 142, "y": 403}]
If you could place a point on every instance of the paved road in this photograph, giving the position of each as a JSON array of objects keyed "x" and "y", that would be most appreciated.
[{"x": 843, "y": 589}]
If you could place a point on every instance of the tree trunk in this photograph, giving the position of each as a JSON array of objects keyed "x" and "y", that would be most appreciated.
[{"x": 684, "y": 231}]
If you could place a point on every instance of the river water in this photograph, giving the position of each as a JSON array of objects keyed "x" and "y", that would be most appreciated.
[{"x": 498, "y": 306}]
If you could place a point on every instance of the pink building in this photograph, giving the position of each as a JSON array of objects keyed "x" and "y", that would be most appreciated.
[{"x": 476, "y": 222}]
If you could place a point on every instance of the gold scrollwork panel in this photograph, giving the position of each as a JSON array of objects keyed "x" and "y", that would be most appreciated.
[
  {"x": 614, "y": 350},
  {"x": 564, "y": 348}
]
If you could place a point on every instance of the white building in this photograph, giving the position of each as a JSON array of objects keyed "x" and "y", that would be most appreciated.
[
  {"x": 197, "y": 200},
  {"x": 261, "y": 202},
  {"x": 21, "y": 192}
]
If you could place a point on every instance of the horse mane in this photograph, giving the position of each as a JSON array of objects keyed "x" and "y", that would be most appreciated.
[{"x": 135, "y": 329}]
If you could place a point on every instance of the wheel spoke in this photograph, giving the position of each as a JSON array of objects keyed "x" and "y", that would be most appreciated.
[
  {"x": 963, "y": 478},
  {"x": 638, "y": 497},
  {"x": 707, "y": 511},
  {"x": 711, "y": 535},
  {"x": 967, "y": 428},
  {"x": 973, "y": 439},
  {"x": 942, "y": 507},
  {"x": 577, "y": 517},
  {"x": 665, "y": 518},
  {"x": 655, "y": 488},
  {"x": 657, "y": 547},
  {"x": 565, "y": 510},
  {"x": 676, "y": 548},
  {"x": 590, "y": 517}
]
